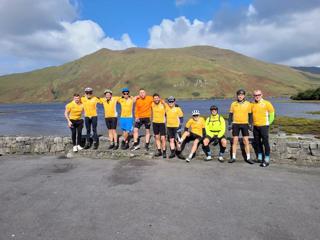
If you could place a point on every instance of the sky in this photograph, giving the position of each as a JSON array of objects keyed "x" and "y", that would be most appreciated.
[{"x": 40, "y": 33}]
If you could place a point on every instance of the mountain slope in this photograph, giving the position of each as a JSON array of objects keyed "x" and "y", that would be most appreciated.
[{"x": 199, "y": 71}]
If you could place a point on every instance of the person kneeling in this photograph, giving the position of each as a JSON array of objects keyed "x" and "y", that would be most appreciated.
[
  {"x": 194, "y": 131},
  {"x": 215, "y": 130}
]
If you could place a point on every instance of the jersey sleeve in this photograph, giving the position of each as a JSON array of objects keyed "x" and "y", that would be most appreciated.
[
  {"x": 68, "y": 107},
  {"x": 270, "y": 108},
  {"x": 223, "y": 127},
  {"x": 231, "y": 108},
  {"x": 249, "y": 107},
  {"x": 188, "y": 124}
]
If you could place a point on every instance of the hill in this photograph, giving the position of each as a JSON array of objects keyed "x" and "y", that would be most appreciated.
[
  {"x": 198, "y": 72},
  {"x": 314, "y": 70}
]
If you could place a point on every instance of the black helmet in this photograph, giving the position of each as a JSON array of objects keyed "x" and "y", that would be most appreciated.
[
  {"x": 241, "y": 91},
  {"x": 213, "y": 107},
  {"x": 171, "y": 99}
]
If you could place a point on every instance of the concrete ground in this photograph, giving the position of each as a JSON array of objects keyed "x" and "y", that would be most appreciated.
[{"x": 57, "y": 198}]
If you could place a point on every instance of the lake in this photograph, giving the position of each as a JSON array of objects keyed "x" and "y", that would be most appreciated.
[{"x": 48, "y": 119}]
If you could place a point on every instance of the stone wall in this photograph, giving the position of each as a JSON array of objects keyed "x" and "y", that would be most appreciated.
[{"x": 298, "y": 150}]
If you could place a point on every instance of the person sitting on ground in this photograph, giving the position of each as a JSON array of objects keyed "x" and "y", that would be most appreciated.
[
  {"x": 240, "y": 120},
  {"x": 174, "y": 120},
  {"x": 91, "y": 116},
  {"x": 193, "y": 131},
  {"x": 111, "y": 117},
  {"x": 142, "y": 117},
  {"x": 263, "y": 116},
  {"x": 126, "y": 117},
  {"x": 73, "y": 114},
  {"x": 158, "y": 125},
  {"x": 215, "y": 130}
]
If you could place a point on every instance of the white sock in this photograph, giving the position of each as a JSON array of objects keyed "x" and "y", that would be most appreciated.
[
  {"x": 190, "y": 155},
  {"x": 248, "y": 155},
  {"x": 233, "y": 156}
]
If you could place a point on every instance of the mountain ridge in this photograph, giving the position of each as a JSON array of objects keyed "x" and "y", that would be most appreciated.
[{"x": 190, "y": 72}]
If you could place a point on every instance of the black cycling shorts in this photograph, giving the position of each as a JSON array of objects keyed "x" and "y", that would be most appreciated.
[
  {"x": 193, "y": 137},
  {"x": 237, "y": 128},
  {"x": 142, "y": 121},
  {"x": 211, "y": 139},
  {"x": 159, "y": 128},
  {"x": 172, "y": 132},
  {"x": 111, "y": 122}
]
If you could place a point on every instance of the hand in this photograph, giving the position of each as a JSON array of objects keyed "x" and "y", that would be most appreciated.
[
  {"x": 137, "y": 120},
  {"x": 70, "y": 124}
]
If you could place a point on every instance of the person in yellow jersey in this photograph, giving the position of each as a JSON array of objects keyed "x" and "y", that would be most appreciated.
[
  {"x": 215, "y": 130},
  {"x": 263, "y": 116},
  {"x": 126, "y": 117},
  {"x": 73, "y": 114},
  {"x": 158, "y": 125},
  {"x": 111, "y": 117},
  {"x": 91, "y": 117},
  {"x": 174, "y": 120},
  {"x": 240, "y": 120},
  {"x": 193, "y": 131}
]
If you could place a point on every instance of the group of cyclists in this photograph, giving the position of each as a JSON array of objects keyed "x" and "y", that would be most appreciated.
[{"x": 166, "y": 119}]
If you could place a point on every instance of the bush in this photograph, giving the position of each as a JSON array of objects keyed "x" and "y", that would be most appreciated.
[
  {"x": 310, "y": 94},
  {"x": 195, "y": 94}
]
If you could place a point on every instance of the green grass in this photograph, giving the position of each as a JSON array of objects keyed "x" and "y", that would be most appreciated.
[
  {"x": 314, "y": 113},
  {"x": 291, "y": 125}
]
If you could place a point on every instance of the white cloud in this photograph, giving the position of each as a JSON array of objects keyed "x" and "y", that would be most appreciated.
[
  {"x": 51, "y": 35},
  {"x": 184, "y": 2},
  {"x": 294, "y": 40}
]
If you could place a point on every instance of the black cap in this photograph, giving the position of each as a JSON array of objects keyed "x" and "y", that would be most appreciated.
[
  {"x": 213, "y": 107},
  {"x": 241, "y": 91}
]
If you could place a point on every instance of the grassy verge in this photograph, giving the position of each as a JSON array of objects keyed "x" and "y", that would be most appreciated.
[
  {"x": 292, "y": 125},
  {"x": 315, "y": 112}
]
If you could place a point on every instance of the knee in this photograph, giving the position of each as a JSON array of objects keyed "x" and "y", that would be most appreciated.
[{"x": 223, "y": 142}]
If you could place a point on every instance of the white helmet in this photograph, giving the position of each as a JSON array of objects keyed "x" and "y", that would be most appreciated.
[
  {"x": 195, "y": 112},
  {"x": 88, "y": 89}
]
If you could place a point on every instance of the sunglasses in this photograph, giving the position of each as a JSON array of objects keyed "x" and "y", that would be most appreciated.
[
  {"x": 257, "y": 95},
  {"x": 125, "y": 93},
  {"x": 171, "y": 101},
  {"x": 195, "y": 115},
  {"x": 88, "y": 92}
]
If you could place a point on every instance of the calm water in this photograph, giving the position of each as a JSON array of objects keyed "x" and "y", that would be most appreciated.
[{"x": 48, "y": 119}]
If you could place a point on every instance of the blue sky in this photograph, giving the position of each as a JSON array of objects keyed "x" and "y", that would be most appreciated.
[
  {"x": 37, "y": 33},
  {"x": 136, "y": 17}
]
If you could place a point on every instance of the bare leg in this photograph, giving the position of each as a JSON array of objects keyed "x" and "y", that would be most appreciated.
[
  {"x": 147, "y": 135},
  {"x": 163, "y": 142}
]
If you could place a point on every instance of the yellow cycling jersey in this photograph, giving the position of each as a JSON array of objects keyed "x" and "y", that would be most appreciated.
[
  {"x": 126, "y": 106},
  {"x": 215, "y": 126},
  {"x": 110, "y": 107},
  {"x": 173, "y": 114},
  {"x": 90, "y": 106},
  {"x": 240, "y": 112},
  {"x": 158, "y": 112},
  {"x": 75, "y": 110},
  {"x": 261, "y": 111},
  {"x": 196, "y": 126}
]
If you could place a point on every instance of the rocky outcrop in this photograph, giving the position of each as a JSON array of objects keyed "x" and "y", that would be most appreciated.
[{"x": 298, "y": 150}]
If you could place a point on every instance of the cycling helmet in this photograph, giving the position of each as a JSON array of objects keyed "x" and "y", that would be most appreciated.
[
  {"x": 88, "y": 89},
  {"x": 125, "y": 89},
  {"x": 107, "y": 91},
  {"x": 213, "y": 107},
  {"x": 171, "y": 99},
  {"x": 195, "y": 112},
  {"x": 241, "y": 91}
]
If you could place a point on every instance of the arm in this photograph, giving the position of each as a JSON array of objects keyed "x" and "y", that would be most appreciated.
[
  {"x": 230, "y": 119},
  {"x": 250, "y": 121},
  {"x": 203, "y": 132},
  {"x": 271, "y": 117},
  {"x": 66, "y": 115}
]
